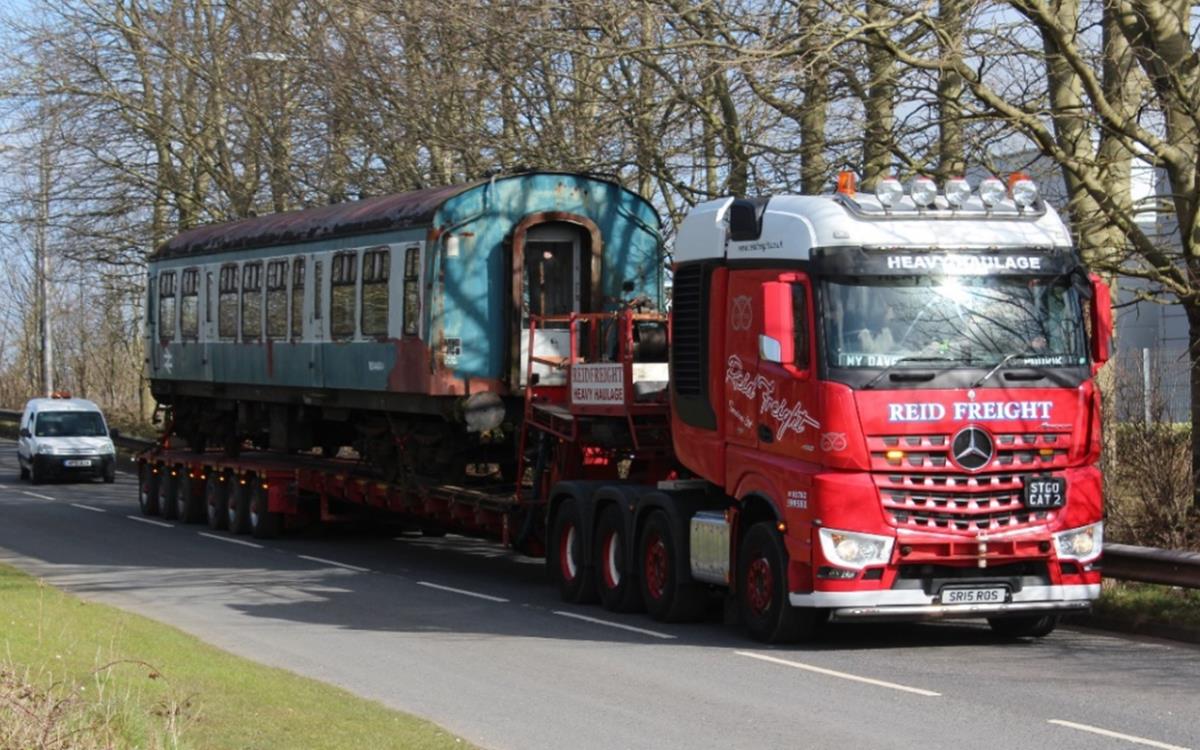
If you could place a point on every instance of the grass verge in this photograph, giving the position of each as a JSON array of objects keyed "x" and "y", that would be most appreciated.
[
  {"x": 1143, "y": 603},
  {"x": 75, "y": 674}
]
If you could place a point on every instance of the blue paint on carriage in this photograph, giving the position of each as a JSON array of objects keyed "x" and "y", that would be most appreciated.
[{"x": 467, "y": 299}]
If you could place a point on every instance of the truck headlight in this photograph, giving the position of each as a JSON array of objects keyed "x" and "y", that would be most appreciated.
[
  {"x": 852, "y": 549},
  {"x": 1080, "y": 544}
]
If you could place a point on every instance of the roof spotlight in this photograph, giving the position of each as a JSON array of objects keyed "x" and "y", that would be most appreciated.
[
  {"x": 991, "y": 191},
  {"x": 889, "y": 191},
  {"x": 958, "y": 190},
  {"x": 1024, "y": 191},
  {"x": 923, "y": 191}
]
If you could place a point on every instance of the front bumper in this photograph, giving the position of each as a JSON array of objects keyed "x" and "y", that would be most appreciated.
[
  {"x": 55, "y": 465},
  {"x": 909, "y": 604}
]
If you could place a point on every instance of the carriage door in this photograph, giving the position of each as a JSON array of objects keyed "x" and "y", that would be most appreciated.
[{"x": 553, "y": 286}]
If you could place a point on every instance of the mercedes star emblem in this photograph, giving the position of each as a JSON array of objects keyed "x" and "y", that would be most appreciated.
[{"x": 972, "y": 448}]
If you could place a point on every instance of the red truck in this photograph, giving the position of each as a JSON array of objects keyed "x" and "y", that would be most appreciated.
[{"x": 863, "y": 407}]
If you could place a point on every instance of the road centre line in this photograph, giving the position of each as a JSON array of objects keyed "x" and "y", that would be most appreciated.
[
  {"x": 151, "y": 521},
  {"x": 230, "y": 539},
  {"x": 618, "y": 625},
  {"x": 88, "y": 507},
  {"x": 1115, "y": 735},
  {"x": 841, "y": 675},
  {"x": 334, "y": 563},
  {"x": 34, "y": 494},
  {"x": 464, "y": 592}
]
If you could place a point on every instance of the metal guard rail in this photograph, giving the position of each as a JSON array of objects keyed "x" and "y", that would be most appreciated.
[{"x": 1122, "y": 562}]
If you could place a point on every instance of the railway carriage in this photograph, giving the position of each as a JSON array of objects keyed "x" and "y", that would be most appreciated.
[{"x": 397, "y": 324}]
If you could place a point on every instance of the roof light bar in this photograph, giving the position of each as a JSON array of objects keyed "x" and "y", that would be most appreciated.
[
  {"x": 923, "y": 191},
  {"x": 889, "y": 191},
  {"x": 958, "y": 191},
  {"x": 1022, "y": 189},
  {"x": 991, "y": 192}
]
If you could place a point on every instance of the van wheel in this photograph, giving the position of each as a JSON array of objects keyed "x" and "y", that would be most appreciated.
[
  {"x": 564, "y": 557},
  {"x": 615, "y": 581},
  {"x": 110, "y": 474},
  {"x": 35, "y": 476},
  {"x": 665, "y": 597},
  {"x": 148, "y": 481},
  {"x": 24, "y": 473},
  {"x": 216, "y": 501},
  {"x": 264, "y": 524},
  {"x": 1031, "y": 626},
  {"x": 763, "y": 590}
]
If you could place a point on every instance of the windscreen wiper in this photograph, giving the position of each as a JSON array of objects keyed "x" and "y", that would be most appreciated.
[
  {"x": 871, "y": 383},
  {"x": 1007, "y": 358}
]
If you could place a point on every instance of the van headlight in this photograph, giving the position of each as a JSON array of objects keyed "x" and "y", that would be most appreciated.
[
  {"x": 852, "y": 549},
  {"x": 1082, "y": 544},
  {"x": 46, "y": 449}
]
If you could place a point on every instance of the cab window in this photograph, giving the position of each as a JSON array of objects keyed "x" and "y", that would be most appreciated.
[{"x": 800, "y": 325}]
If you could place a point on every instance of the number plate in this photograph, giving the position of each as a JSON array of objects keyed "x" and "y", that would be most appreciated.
[
  {"x": 75, "y": 463},
  {"x": 1049, "y": 492},
  {"x": 974, "y": 596}
]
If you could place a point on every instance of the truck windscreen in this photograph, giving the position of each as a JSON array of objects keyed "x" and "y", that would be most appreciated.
[{"x": 952, "y": 321}]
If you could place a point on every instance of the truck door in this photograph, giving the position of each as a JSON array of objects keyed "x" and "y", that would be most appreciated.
[
  {"x": 788, "y": 422},
  {"x": 743, "y": 386}
]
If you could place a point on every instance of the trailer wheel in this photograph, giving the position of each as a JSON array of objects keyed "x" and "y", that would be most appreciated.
[
  {"x": 148, "y": 481},
  {"x": 616, "y": 583},
  {"x": 565, "y": 555},
  {"x": 239, "y": 505},
  {"x": 191, "y": 504},
  {"x": 762, "y": 590},
  {"x": 168, "y": 495},
  {"x": 264, "y": 524},
  {"x": 1030, "y": 626},
  {"x": 216, "y": 501},
  {"x": 665, "y": 597}
]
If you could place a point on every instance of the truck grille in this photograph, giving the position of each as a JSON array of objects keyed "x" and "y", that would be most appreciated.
[
  {"x": 1013, "y": 452},
  {"x": 958, "y": 502}
]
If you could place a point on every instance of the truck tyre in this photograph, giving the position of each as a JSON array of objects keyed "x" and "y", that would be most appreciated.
[
  {"x": 616, "y": 583},
  {"x": 1030, "y": 626},
  {"x": 264, "y": 524},
  {"x": 564, "y": 557},
  {"x": 216, "y": 501},
  {"x": 665, "y": 598},
  {"x": 763, "y": 591},
  {"x": 191, "y": 502},
  {"x": 168, "y": 496},
  {"x": 148, "y": 481},
  {"x": 239, "y": 505}
]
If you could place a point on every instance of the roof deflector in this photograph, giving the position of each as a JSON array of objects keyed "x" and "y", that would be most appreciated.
[{"x": 746, "y": 217}]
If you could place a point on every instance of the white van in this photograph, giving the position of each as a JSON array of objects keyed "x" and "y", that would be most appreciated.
[{"x": 64, "y": 437}]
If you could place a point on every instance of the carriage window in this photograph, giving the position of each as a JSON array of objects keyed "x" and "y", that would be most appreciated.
[
  {"x": 252, "y": 309},
  {"x": 277, "y": 299},
  {"x": 298, "y": 298},
  {"x": 227, "y": 298},
  {"x": 317, "y": 305},
  {"x": 375, "y": 292},
  {"x": 166, "y": 305},
  {"x": 189, "y": 304},
  {"x": 342, "y": 302},
  {"x": 412, "y": 291}
]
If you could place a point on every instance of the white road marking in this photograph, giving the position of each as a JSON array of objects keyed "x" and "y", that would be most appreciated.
[
  {"x": 618, "y": 625},
  {"x": 88, "y": 507},
  {"x": 334, "y": 563},
  {"x": 34, "y": 494},
  {"x": 139, "y": 519},
  {"x": 1114, "y": 735},
  {"x": 464, "y": 592},
  {"x": 231, "y": 540},
  {"x": 842, "y": 675}
]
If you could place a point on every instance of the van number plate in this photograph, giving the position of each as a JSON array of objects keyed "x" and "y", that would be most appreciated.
[
  {"x": 75, "y": 463},
  {"x": 974, "y": 596}
]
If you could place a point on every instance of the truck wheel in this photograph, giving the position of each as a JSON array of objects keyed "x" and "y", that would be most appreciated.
[
  {"x": 148, "y": 481},
  {"x": 216, "y": 501},
  {"x": 264, "y": 524},
  {"x": 239, "y": 506},
  {"x": 564, "y": 557},
  {"x": 616, "y": 583},
  {"x": 168, "y": 496},
  {"x": 1031, "y": 626},
  {"x": 666, "y": 599},
  {"x": 191, "y": 504},
  {"x": 762, "y": 590}
]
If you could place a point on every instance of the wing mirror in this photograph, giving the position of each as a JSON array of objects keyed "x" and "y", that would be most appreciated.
[
  {"x": 25, "y": 432},
  {"x": 1102, "y": 322}
]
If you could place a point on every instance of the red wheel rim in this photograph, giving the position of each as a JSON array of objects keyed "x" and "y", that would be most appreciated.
[
  {"x": 566, "y": 559},
  {"x": 760, "y": 584},
  {"x": 610, "y": 560},
  {"x": 656, "y": 566}
]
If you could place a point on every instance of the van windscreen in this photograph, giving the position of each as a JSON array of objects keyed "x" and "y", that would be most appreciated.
[{"x": 70, "y": 424}]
